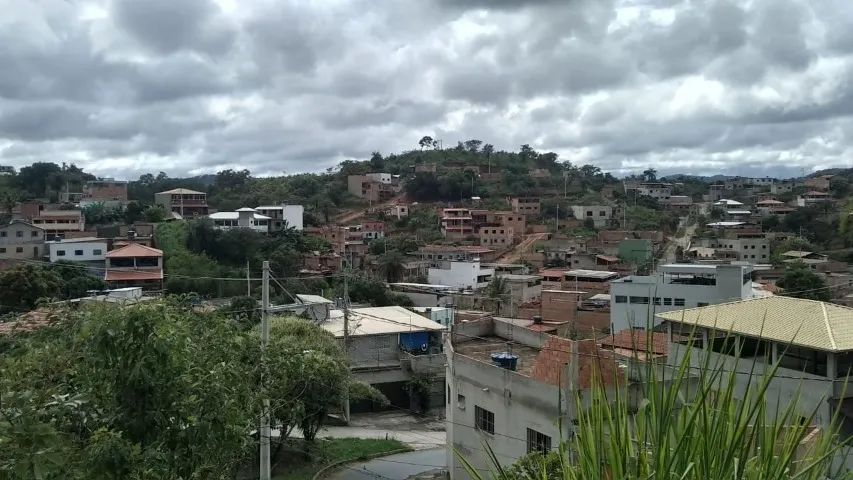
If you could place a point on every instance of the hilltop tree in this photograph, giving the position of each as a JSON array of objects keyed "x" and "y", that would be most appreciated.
[
  {"x": 426, "y": 141},
  {"x": 488, "y": 149},
  {"x": 650, "y": 175},
  {"x": 473, "y": 145}
]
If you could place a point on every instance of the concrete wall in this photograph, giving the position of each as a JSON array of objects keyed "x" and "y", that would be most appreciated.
[
  {"x": 77, "y": 251},
  {"x": 461, "y": 275},
  {"x": 600, "y": 214},
  {"x": 518, "y": 403},
  {"x": 371, "y": 351}
]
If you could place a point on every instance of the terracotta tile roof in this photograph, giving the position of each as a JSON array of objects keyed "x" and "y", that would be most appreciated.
[
  {"x": 134, "y": 250},
  {"x": 127, "y": 275},
  {"x": 638, "y": 340},
  {"x": 555, "y": 354}
]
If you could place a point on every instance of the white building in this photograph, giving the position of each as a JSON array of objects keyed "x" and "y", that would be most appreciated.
[
  {"x": 442, "y": 315},
  {"x": 242, "y": 218},
  {"x": 600, "y": 214},
  {"x": 728, "y": 204},
  {"x": 508, "y": 386},
  {"x": 523, "y": 288},
  {"x": 462, "y": 275},
  {"x": 752, "y": 248},
  {"x": 385, "y": 178},
  {"x": 86, "y": 249},
  {"x": 636, "y": 299},
  {"x": 283, "y": 216},
  {"x": 656, "y": 190}
]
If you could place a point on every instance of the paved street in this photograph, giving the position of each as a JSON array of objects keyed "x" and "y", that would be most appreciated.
[
  {"x": 416, "y": 432},
  {"x": 395, "y": 467}
]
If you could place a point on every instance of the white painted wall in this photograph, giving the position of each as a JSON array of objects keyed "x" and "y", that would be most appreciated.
[
  {"x": 95, "y": 251},
  {"x": 466, "y": 275},
  {"x": 600, "y": 214},
  {"x": 730, "y": 287}
]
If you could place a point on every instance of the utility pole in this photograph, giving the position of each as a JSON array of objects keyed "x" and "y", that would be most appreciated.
[
  {"x": 265, "y": 337},
  {"x": 248, "y": 280},
  {"x": 346, "y": 338},
  {"x": 557, "y": 219}
]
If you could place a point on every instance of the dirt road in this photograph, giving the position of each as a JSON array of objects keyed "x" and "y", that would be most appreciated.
[
  {"x": 526, "y": 246},
  {"x": 353, "y": 215}
]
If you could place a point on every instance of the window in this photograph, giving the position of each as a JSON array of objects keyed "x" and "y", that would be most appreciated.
[
  {"x": 538, "y": 442},
  {"x": 2, "y": 249},
  {"x": 19, "y": 234},
  {"x": 19, "y": 249},
  {"x": 380, "y": 342},
  {"x": 78, "y": 253},
  {"x": 60, "y": 253},
  {"x": 640, "y": 300},
  {"x": 589, "y": 213},
  {"x": 678, "y": 302},
  {"x": 621, "y": 299},
  {"x": 485, "y": 420},
  {"x": 701, "y": 304},
  {"x": 667, "y": 301},
  {"x": 460, "y": 401},
  {"x": 802, "y": 359},
  {"x": 752, "y": 247},
  {"x": 602, "y": 213},
  {"x": 657, "y": 300},
  {"x": 2, "y": 234},
  {"x": 34, "y": 234}
]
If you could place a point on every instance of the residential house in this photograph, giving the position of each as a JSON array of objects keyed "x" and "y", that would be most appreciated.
[
  {"x": 590, "y": 282},
  {"x": 373, "y": 187},
  {"x": 135, "y": 266},
  {"x": 242, "y": 218},
  {"x": 443, "y": 315},
  {"x": 20, "y": 241},
  {"x": 782, "y": 187},
  {"x": 807, "y": 344},
  {"x": 637, "y": 298},
  {"x": 91, "y": 251},
  {"x": 820, "y": 183},
  {"x": 461, "y": 275},
  {"x": 680, "y": 203},
  {"x": 810, "y": 259},
  {"x": 398, "y": 211},
  {"x": 321, "y": 262},
  {"x": 522, "y": 288},
  {"x": 457, "y": 223},
  {"x": 716, "y": 192},
  {"x": 496, "y": 236},
  {"x": 746, "y": 246},
  {"x": 515, "y": 221},
  {"x": 371, "y": 230},
  {"x": 572, "y": 315},
  {"x": 183, "y": 202},
  {"x": 283, "y": 216},
  {"x": 514, "y": 388},
  {"x": 59, "y": 223},
  {"x": 387, "y": 346},
  {"x": 600, "y": 214},
  {"x": 436, "y": 255},
  {"x": 528, "y": 206},
  {"x": 657, "y": 190},
  {"x": 109, "y": 192},
  {"x": 644, "y": 345},
  {"x": 813, "y": 198}
]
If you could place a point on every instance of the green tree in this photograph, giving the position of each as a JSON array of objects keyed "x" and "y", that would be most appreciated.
[
  {"x": 23, "y": 286},
  {"x": 801, "y": 282},
  {"x": 154, "y": 214},
  {"x": 391, "y": 266},
  {"x": 76, "y": 280}
]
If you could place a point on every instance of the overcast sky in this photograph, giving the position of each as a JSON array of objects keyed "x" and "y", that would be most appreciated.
[{"x": 124, "y": 87}]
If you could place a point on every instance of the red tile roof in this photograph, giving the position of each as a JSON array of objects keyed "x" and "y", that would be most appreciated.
[
  {"x": 134, "y": 250},
  {"x": 133, "y": 275},
  {"x": 638, "y": 340}
]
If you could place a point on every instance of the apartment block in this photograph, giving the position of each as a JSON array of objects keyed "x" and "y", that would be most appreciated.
[
  {"x": 637, "y": 299},
  {"x": 111, "y": 193},
  {"x": 457, "y": 223},
  {"x": 529, "y": 206},
  {"x": 183, "y": 202},
  {"x": 59, "y": 223},
  {"x": 373, "y": 187},
  {"x": 496, "y": 236}
]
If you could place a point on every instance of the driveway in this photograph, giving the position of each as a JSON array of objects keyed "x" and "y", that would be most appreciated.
[
  {"x": 416, "y": 432},
  {"x": 394, "y": 467}
]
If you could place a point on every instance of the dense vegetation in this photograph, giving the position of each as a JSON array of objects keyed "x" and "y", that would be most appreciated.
[
  {"x": 157, "y": 391},
  {"x": 23, "y": 286}
]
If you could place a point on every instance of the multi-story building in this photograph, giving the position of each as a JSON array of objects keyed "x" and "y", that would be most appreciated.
[
  {"x": 398, "y": 211},
  {"x": 806, "y": 344},
  {"x": 20, "y": 240},
  {"x": 751, "y": 247},
  {"x": 522, "y": 288},
  {"x": 588, "y": 282},
  {"x": 462, "y": 275},
  {"x": 600, "y": 214},
  {"x": 821, "y": 183},
  {"x": 782, "y": 187},
  {"x": 283, "y": 216},
  {"x": 529, "y": 206},
  {"x": 436, "y": 255},
  {"x": 679, "y": 203},
  {"x": 636, "y": 299},
  {"x": 517, "y": 222},
  {"x": 373, "y": 187},
  {"x": 457, "y": 223},
  {"x": 110, "y": 192},
  {"x": 716, "y": 192},
  {"x": 813, "y": 198},
  {"x": 182, "y": 201},
  {"x": 242, "y": 218},
  {"x": 58, "y": 223},
  {"x": 135, "y": 266},
  {"x": 372, "y": 230},
  {"x": 515, "y": 388},
  {"x": 657, "y": 190},
  {"x": 496, "y": 236}
]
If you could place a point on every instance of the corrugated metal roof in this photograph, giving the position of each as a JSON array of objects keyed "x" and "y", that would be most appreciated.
[
  {"x": 379, "y": 321},
  {"x": 808, "y": 323}
]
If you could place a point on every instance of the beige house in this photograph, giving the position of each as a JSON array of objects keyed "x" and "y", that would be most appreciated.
[{"x": 20, "y": 241}]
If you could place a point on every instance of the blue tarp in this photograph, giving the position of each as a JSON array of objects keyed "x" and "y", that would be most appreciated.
[{"x": 413, "y": 342}]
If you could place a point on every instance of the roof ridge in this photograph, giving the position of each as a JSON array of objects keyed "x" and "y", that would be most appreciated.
[{"x": 828, "y": 326}]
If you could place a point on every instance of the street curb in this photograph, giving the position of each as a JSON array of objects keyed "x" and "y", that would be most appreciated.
[{"x": 328, "y": 468}]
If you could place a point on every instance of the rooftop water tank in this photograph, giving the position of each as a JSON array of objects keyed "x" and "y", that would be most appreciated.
[{"x": 505, "y": 360}]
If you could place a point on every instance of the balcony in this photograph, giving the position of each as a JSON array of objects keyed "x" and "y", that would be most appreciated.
[{"x": 431, "y": 363}]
